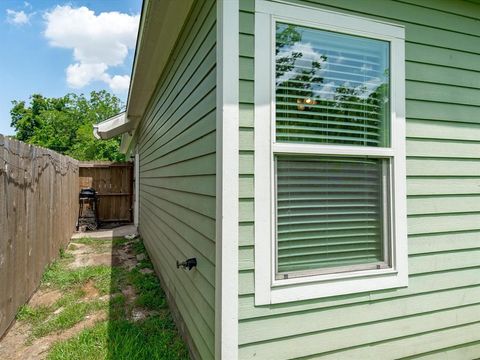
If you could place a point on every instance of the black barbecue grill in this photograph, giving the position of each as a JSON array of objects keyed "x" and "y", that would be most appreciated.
[{"x": 87, "y": 212}]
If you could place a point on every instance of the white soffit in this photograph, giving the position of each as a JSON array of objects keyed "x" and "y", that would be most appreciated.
[{"x": 161, "y": 24}]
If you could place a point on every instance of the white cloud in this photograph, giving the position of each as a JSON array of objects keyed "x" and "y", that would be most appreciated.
[
  {"x": 119, "y": 82},
  {"x": 308, "y": 58},
  {"x": 18, "y": 17},
  {"x": 327, "y": 91},
  {"x": 80, "y": 75},
  {"x": 98, "y": 42}
]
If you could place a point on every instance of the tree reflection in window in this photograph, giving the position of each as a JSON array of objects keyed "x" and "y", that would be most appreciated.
[{"x": 331, "y": 88}]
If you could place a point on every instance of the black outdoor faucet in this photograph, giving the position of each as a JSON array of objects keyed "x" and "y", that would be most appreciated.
[{"x": 189, "y": 263}]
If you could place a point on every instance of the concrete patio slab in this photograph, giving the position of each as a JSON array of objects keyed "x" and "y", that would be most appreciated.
[{"x": 107, "y": 233}]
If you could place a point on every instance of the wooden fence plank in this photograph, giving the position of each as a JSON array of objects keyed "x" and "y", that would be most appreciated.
[
  {"x": 114, "y": 185},
  {"x": 38, "y": 212}
]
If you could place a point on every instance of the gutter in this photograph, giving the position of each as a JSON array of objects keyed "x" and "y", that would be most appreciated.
[{"x": 114, "y": 126}]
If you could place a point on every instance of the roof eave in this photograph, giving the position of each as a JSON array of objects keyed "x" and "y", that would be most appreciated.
[{"x": 160, "y": 25}]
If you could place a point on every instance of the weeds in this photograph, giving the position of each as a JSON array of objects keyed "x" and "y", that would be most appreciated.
[
  {"x": 97, "y": 245},
  {"x": 151, "y": 295},
  {"x": 154, "y": 338},
  {"x": 68, "y": 317},
  {"x": 59, "y": 276},
  {"x": 90, "y": 344},
  {"x": 33, "y": 315},
  {"x": 118, "y": 337}
]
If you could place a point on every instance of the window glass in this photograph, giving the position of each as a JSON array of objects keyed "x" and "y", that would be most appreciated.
[
  {"x": 331, "y": 88},
  {"x": 330, "y": 212}
]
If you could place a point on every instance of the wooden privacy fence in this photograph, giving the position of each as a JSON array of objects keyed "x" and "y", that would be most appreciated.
[
  {"x": 113, "y": 182},
  {"x": 38, "y": 212}
]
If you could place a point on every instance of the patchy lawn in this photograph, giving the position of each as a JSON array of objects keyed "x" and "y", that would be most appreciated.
[{"x": 100, "y": 300}]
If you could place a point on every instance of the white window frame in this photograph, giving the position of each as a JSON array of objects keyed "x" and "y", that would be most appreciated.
[{"x": 268, "y": 290}]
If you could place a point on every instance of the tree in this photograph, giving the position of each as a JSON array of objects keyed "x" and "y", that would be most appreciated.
[{"x": 65, "y": 124}]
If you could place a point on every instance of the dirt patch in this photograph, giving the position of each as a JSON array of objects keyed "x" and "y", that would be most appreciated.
[
  {"x": 146, "y": 271},
  {"x": 125, "y": 257},
  {"x": 91, "y": 259},
  {"x": 76, "y": 249},
  {"x": 139, "y": 314},
  {"x": 23, "y": 341},
  {"x": 91, "y": 292},
  {"x": 129, "y": 293},
  {"x": 14, "y": 347},
  {"x": 45, "y": 298},
  {"x": 90, "y": 248}
]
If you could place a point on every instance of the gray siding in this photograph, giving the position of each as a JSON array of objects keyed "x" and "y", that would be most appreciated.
[{"x": 176, "y": 142}]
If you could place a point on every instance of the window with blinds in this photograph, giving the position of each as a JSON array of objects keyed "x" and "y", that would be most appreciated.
[
  {"x": 332, "y": 210},
  {"x": 331, "y": 88}
]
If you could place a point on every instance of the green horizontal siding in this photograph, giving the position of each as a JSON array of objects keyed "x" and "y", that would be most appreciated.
[
  {"x": 438, "y": 314},
  {"x": 176, "y": 142}
]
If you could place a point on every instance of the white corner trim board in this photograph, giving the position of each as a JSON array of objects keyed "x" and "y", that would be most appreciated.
[
  {"x": 269, "y": 289},
  {"x": 226, "y": 307}
]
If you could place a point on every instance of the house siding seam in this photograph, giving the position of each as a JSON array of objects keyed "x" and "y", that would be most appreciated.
[
  {"x": 438, "y": 314},
  {"x": 176, "y": 141}
]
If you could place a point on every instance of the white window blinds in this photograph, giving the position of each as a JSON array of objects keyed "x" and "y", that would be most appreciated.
[
  {"x": 330, "y": 87},
  {"x": 331, "y": 211}
]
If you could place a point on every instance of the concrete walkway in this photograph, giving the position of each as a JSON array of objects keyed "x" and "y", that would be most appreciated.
[{"x": 120, "y": 231}]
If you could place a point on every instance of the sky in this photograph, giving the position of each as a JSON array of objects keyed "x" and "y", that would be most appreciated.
[{"x": 55, "y": 47}]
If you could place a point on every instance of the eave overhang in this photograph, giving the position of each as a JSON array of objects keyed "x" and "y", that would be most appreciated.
[
  {"x": 160, "y": 25},
  {"x": 161, "y": 22}
]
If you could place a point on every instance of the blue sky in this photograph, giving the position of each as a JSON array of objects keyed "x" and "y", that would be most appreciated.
[{"x": 54, "y": 47}]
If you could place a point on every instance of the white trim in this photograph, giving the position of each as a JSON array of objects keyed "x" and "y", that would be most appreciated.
[
  {"x": 226, "y": 307},
  {"x": 160, "y": 27},
  {"x": 330, "y": 20},
  {"x": 262, "y": 140},
  {"x": 137, "y": 187},
  {"x": 307, "y": 149},
  {"x": 268, "y": 290}
]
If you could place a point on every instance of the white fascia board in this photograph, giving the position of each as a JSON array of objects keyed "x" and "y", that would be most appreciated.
[{"x": 161, "y": 24}]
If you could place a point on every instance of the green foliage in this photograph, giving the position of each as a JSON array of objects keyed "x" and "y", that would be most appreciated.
[
  {"x": 33, "y": 315},
  {"x": 72, "y": 314},
  {"x": 155, "y": 338},
  {"x": 119, "y": 336},
  {"x": 90, "y": 344},
  {"x": 99, "y": 245},
  {"x": 65, "y": 124},
  {"x": 150, "y": 293},
  {"x": 59, "y": 276}
]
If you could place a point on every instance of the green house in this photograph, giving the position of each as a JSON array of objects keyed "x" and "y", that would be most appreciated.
[{"x": 320, "y": 160}]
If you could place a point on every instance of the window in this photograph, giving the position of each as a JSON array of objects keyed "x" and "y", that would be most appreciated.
[{"x": 329, "y": 154}]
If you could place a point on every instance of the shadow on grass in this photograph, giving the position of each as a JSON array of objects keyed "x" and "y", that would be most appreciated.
[{"x": 138, "y": 326}]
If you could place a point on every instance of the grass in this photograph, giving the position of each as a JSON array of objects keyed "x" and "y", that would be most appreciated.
[
  {"x": 118, "y": 337},
  {"x": 97, "y": 245},
  {"x": 154, "y": 338},
  {"x": 60, "y": 277},
  {"x": 33, "y": 315},
  {"x": 72, "y": 314},
  {"x": 150, "y": 294}
]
